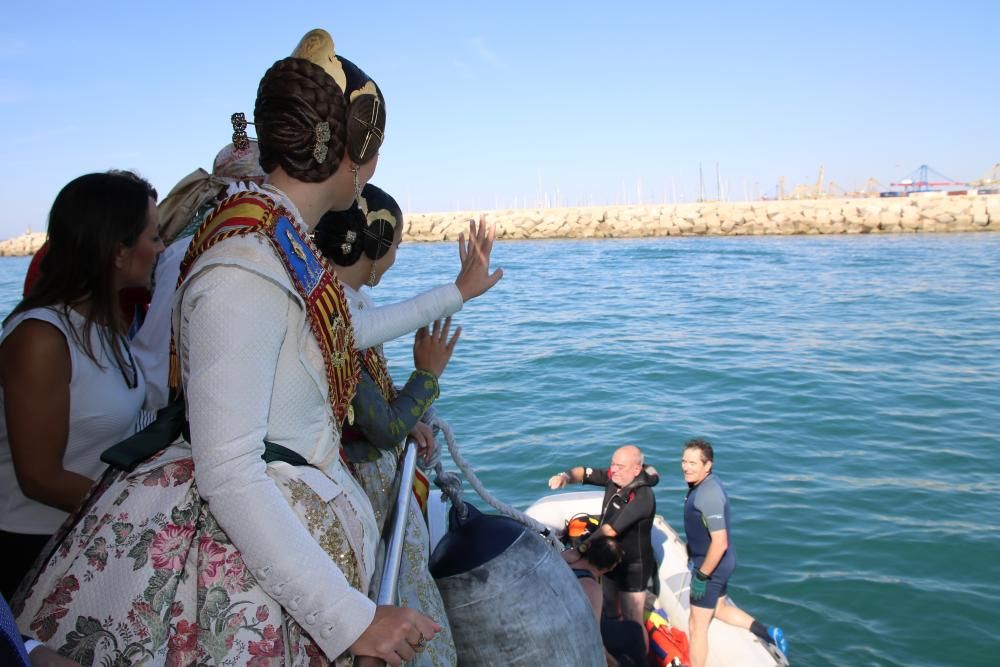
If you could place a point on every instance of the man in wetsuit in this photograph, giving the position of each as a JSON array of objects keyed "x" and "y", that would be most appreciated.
[
  {"x": 712, "y": 558},
  {"x": 627, "y": 516}
]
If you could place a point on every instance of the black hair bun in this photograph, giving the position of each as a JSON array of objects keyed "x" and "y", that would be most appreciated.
[{"x": 339, "y": 235}]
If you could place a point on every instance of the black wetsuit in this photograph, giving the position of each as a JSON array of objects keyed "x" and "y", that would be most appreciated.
[{"x": 630, "y": 511}]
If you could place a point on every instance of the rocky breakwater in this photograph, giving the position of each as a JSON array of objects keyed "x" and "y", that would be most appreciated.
[
  {"x": 892, "y": 215},
  {"x": 27, "y": 243}
]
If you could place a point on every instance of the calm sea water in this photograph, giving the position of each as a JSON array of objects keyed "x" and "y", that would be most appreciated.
[{"x": 851, "y": 387}]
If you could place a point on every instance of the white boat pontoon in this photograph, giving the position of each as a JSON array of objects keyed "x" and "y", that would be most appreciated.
[{"x": 728, "y": 646}]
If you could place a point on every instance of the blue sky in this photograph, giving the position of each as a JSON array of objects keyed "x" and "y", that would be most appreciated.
[{"x": 516, "y": 102}]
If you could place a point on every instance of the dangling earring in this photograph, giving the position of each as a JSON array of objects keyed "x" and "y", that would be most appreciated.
[
  {"x": 371, "y": 277},
  {"x": 357, "y": 182}
]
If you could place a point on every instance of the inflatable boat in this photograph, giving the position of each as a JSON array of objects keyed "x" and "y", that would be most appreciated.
[
  {"x": 728, "y": 646},
  {"x": 512, "y": 600}
]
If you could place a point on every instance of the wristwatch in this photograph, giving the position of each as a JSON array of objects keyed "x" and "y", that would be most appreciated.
[{"x": 583, "y": 548}]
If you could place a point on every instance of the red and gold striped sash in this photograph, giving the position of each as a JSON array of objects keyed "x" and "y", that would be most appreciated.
[{"x": 253, "y": 212}]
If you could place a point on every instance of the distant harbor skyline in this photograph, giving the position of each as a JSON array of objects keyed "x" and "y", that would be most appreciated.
[{"x": 520, "y": 105}]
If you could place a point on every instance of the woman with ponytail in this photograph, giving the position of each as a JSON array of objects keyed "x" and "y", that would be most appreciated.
[{"x": 248, "y": 541}]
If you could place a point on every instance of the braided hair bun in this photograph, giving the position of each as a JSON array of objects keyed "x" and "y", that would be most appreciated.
[
  {"x": 343, "y": 236},
  {"x": 301, "y": 121}
]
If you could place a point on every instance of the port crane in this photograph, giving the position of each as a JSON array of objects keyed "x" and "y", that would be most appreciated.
[
  {"x": 990, "y": 180},
  {"x": 919, "y": 180}
]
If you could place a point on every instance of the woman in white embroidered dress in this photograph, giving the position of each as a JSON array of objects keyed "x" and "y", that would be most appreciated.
[
  {"x": 254, "y": 562},
  {"x": 363, "y": 248},
  {"x": 69, "y": 383}
]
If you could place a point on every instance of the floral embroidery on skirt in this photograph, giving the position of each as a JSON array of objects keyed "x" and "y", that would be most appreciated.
[
  {"x": 146, "y": 575},
  {"x": 416, "y": 588}
]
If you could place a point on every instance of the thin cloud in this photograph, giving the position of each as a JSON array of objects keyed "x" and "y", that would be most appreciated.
[{"x": 478, "y": 46}]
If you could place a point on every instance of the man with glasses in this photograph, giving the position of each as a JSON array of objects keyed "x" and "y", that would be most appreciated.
[{"x": 627, "y": 515}]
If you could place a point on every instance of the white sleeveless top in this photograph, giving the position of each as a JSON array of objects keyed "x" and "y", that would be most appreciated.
[{"x": 102, "y": 411}]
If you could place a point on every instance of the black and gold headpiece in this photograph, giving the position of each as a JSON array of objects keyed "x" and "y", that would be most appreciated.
[
  {"x": 382, "y": 215},
  {"x": 365, "y": 104}
]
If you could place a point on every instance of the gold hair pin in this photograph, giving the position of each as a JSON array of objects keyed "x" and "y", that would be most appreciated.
[{"x": 370, "y": 128}]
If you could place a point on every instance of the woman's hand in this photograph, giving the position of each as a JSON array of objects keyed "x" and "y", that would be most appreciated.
[
  {"x": 423, "y": 435},
  {"x": 474, "y": 278},
  {"x": 432, "y": 349},
  {"x": 395, "y": 635}
]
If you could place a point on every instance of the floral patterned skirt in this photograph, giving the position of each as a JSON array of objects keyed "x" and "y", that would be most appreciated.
[
  {"x": 416, "y": 588},
  {"x": 143, "y": 574}
]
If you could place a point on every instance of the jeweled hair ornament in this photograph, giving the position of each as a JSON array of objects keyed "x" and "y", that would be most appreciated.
[
  {"x": 349, "y": 238},
  {"x": 320, "y": 150},
  {"x": 240, "y": 139}
]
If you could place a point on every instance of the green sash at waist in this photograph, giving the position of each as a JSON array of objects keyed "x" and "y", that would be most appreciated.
[{"x": 170, "y": 423}]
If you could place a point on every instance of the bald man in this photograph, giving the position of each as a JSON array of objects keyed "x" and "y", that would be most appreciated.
[{"x": 627, "y": 515}]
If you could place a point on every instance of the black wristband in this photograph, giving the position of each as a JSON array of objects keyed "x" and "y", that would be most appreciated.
[{"x": 702, "y": 576}]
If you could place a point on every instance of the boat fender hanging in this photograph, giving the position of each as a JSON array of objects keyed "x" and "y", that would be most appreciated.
[{"x": 510, "y": 598}]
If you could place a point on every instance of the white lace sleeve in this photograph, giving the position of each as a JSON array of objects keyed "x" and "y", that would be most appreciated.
[
  {"x": 233, "y": 322},
  {"x": 374, "y": 326}
]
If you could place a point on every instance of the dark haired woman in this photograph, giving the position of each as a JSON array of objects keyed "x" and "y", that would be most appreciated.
[
  {"x": 362, "y": 242},
  {"x": 69, "y": 383},
  {"x": 253, "y": 544},
  {"x": 623, "y": 639},
  {"x": 602, "y": 555}
]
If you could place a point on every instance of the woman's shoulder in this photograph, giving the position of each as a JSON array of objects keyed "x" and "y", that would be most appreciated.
[
  {"x": 250, "y": 256},
  {"x": 41, "y": 321},
  {"x": 36, "y": 346}
]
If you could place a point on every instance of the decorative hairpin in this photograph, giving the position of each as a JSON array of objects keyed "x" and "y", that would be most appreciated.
[
  {"x": 350, "y": 237},
  {"x": 371, "y": 128},
  {"x": 322, "y": 138},
  {"x": 240, "y": 139}
]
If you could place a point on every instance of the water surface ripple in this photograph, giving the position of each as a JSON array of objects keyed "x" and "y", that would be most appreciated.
[{"x": 850, "y": 386}]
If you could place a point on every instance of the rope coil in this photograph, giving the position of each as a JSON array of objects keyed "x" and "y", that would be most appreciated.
[{"x": 451, "y": 485}]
